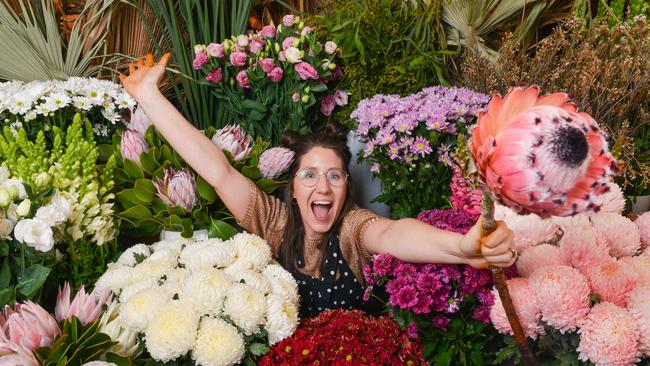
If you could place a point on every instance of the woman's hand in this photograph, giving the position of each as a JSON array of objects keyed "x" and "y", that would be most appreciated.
[
  {"x": 496, "y": 249},
  {"x": 144, "y": 79}
]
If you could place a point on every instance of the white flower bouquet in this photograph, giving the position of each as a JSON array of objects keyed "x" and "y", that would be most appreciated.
[{"x": 217, "y": 302}]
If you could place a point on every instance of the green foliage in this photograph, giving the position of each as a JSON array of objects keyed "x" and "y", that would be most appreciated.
[
  {"x": 388, "y": 48},
  {"x": 552, "y": 349},
  {"x": 184, "y": 24},
  {"x": 23, "y": 272}
]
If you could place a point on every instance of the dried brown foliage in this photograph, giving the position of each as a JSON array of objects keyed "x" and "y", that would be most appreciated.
[{"x": 606, "y": 69}]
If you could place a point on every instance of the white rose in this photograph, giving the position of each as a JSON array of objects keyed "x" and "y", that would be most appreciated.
[
  {"x": 24, "y": 207},
  {"x": 62, "y": 204},
  {"x": 6, "y": 226},
  {"x": 34, "y": 233},
  {"x": 50, "y": 214},
  {"x": 4, "y": 174},
  {"x": 330, "y": 47},
  {"x": 292, "y": 55},
  {"x": 15, "y": 188}
]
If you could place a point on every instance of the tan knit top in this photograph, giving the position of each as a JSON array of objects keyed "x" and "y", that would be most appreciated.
[{"x": 266, "y": 216}]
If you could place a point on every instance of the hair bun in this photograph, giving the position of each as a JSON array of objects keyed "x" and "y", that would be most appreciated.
[
  {"x": 290, "y": 139},
  {"x": 336, "y": 131}
]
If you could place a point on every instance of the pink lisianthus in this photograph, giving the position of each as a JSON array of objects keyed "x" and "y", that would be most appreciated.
[
  {"x": 216, "y": 50},
  {"x": 275, "y": 75},
  {"x": 639, "y": 307},
  {"x": 581, "y": 248},
  {"x": 268, "y": 31},
  {"x": 132, "y": 146},
  {"x": 612, "y": 280},
  {"x": 330, "y": 47},
  {"x": 306, "y": 71},
  {"x": 275, "y": 161},
  {"x": 266, "y": 64},
  {"x": 288, "y": 20},
  {"x": 341, "y": 98},
  {"x": 563, "y": 296},
  {"x": 177, "y": 188},
  {"x": 643, "y": 224},
  {"x": 238, "y": 58},
  {"x": 609, "y": 336},
  {"x": 619, "y": 233},
  {"x": 537, "y": 257},
  {"x": 85, "y": 307},
  {"x": 524, "y": 300},
  {"x": 139, "y": 121},
  {"x": 199, "y": 60},
  {"x": 215, "y": 77},
  {"x": 281, "y": 56},
  {"x": 327, "y": 105},
  {"x": 256, "y": 45},
  {"x": 295, "y": 97},
  {"x": 242, "y": 79},
  {"x": 287, "y": 43}
]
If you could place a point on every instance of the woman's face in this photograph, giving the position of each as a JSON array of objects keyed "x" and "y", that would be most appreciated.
[{"x": 320, "y": 204}]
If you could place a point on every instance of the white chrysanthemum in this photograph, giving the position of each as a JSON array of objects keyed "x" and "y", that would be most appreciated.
[
  {"x": 174, "y": 280},
  {"x": 282, "y": 282},
  {"x": 207, "y": 254},
  {"x": 135, "y": 287},
  {"x": 206, "y": 290},
  {"x": 142, "y": 308},
  {"x": 128, "y": 257},
  {"x": 111, "y": 324},
  {"x": 246, "y": 307},
  {"x": 153, "y": 268},
  {"x": 172, "y": 333},
  {"x": 115, "y": 278},
  {"x": 252, "y": 250},
  {"x": 218, "y": 344},
  {"x": 252, "y": 278},
  {"x": 282, "y": 318},
  {"x": 176, "y": 245}
]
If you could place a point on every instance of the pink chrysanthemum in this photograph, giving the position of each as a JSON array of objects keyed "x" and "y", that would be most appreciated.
[
  {"x": 530, "y": 230},
  {"x": 581, "y": 248},
  {"x": 537, "y": 257},
  {"x": 502, "y": 212},
  {"x": 643, "y": 223},
  {"x": 524, "y": 299},
  {"x": 639, "y": 307},
  {"x": 562, "y": 296},
  {"x": 566, "y": 223},
  {"x": 619, "y": 233},
  {"x": 612, "y": 281},
  {"x": 609, "y": 336},
  {"x": 612, "y": 201},
  {"x": 641, "y": 265}
]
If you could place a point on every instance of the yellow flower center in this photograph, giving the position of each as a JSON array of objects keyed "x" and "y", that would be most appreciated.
[
  {"x": 287, "y": 349},
  {"x": 348, "y": 357},
  {"x": 305, "y": 352}
]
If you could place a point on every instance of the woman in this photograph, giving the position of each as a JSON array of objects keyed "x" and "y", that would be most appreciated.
[{"x": 317, "y": 233}]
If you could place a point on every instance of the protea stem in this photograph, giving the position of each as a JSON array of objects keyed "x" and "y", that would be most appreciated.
[{"x": 499, "y": 278}]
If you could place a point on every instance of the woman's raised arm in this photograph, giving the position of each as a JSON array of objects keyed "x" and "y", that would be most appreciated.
[{"x": 197, "y": 150}]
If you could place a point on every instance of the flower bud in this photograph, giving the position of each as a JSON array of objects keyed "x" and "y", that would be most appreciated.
[
  {"x": 277, "y": 47},
  {"x": 331, "y": 66},
  {"x": 280, "y": 28},
  {"x": 301, "y": 25},
  {"x": 5, "y": 197},
  {"x": 42, "y": 180},
  {"x": 23, "y": 208},
  {"x": 305, "y": 99},
  {"x": 234, "y": 140},
  {"x": 306, "y": 90},
  {"x": 296, "y": 42}
]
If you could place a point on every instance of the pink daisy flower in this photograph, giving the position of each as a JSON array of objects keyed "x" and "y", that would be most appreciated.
[
  {"x": 619, "y": 232},
  {"x": 562, "y": 296},
  {"x": 609, "y": 336},
  {"x": 524, "y": 299},
  {"x": 581, "y": 248},
  {"x": 537, "y": 257},
  {"x": 612, "y": 281},
  {"x": 639, "y": 307},
  {"x": 643, "y": 223}
]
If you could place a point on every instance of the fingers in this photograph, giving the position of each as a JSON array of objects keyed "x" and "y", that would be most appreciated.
[
  {"x": 149, "y": 60},
  {"x": 122, "y": 76},
  {"x": 140, "y": 63},
  {"x": 164, "y": 59},
  {"x": 131, "y": 68},
  {"x": 499, "y": 235},
  {"x": 502, "y": 260}
]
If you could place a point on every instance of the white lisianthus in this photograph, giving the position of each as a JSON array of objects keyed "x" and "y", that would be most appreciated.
[
  {"x": 116, "y": 278},
  {"x": 246, "y": 307},
  {"x": 35, "y": 233},
  {"x": 330, "y": 47},
  {"x": 63, "y": 204},
  {"x": 293, "y": 55},
  {"x": 282, "y": 282},
  {"x": 142, "y": 308},
  {"x": 282, "y": 318},
  {"x": 172, "y": 333},
  {"x": 252, "y": 250},
  {"x": 111, "y": 324},
  {"x": 50, "y": 214},
  {"x": 23, "y": 208},
  {"x": 15, "y": 188},
  {"x": 206, "y": 290},
  {"x": 6, "y": 226},
  {"x": 4, "y": 174},
  {"x": 205, "y": 254},
  {"x": 128, "y": 257},
  {"x": 218, "y": 344}
]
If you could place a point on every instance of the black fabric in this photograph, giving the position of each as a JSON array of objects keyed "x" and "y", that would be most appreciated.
[{"x": 328, "y": 291}]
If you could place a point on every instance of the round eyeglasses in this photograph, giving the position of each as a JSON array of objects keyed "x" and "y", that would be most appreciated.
[{"x": 309, "y": 177}]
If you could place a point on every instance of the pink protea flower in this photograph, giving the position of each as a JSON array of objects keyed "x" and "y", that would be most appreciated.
[
  {"x": 612, "y": 281},
  {"x": 643, "y": 224},
  {"x": 530, "y": 230},
  {"x": 562, "y": 296},
  {"x": 85, "y": 307},
  {"x": 612, "y": 200},
  {"x": 609, "y": 336},
  {"x": 177, "y": 188},
  {"x": 581, "y": 248},
  {"x": 619, "y": 233},
  {"x": 132, "y": 146},
  {"x": 275, "y": 161},
  {"x": 139, "y": 121},
  {"x": 537, "y": 257},
  {"x": 233, "y": 139},
  {"x": 538, "y": 154},
  {"x": 28, "y": 325},
  {"x": 524, "y": 299},
  {"x": 638, "y": 306}
]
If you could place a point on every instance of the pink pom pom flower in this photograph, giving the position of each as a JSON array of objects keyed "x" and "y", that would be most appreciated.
[
  {"x": 620, "y": 234},
  {"x": 538, "y": 257},
  {"x": 639, "y": 307},
  {"x": 581, "y": 248},
  {"x": 643, "y": 224},
  {"x": 524, "y": 300},
  {"x": 612, "y": 281}
]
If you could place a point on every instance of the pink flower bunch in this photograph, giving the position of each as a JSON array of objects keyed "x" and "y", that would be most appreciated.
[
  {"x": 619, "y": 233},
  {"x": 529, "y": 230}
]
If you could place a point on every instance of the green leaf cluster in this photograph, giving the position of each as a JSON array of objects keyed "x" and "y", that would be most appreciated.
[
  {"x": 23, "y": 272},
  {"x": 143, "y": 213}
]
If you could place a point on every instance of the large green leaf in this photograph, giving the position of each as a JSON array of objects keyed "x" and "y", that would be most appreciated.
[
  {"x": 136, "y": 214},
  {"x": 133, "y": 170},
  {"x": 206, "y": 191},
  {"x": 221, "y": 229},
  {"x": 30, "y": 281},
  {"x": 129, "y": 199},
  {"x": 145, "y": 190},
  {"x": 5, "y": 273}
]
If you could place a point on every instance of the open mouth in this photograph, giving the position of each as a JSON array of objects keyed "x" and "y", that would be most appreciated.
[{"x": 321, "y": 210}]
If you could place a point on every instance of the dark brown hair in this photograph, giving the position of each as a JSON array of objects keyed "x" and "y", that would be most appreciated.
[{"x": 333, "y": 137}]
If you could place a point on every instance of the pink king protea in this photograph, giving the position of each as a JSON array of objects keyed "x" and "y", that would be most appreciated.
[
  {"x": 275, "y": 161},
  {"x": 177, "y": 188},
  {"x": 85, "y": 307},
  {"x": 139, "y": 121},
  {"x": 133, "y": 145},
  {"x": 538, "y": 154},
  {"x": 234, "y": 140}
]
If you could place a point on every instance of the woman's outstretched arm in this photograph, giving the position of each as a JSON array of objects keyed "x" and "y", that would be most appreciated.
[
  {"x": 196, "y": 149},
  {"x": 413, "y": 241}
]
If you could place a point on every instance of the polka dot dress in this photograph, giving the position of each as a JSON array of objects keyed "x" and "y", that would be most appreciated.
[{"x": 327, "y": 292}]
